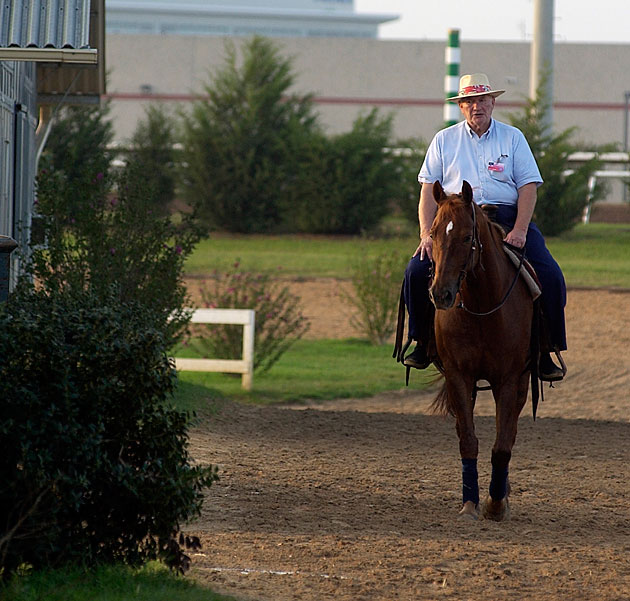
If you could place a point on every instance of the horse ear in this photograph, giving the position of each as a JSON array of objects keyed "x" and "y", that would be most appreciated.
[
  {"x": 467, "y": 193},
  {"x": 438, "y": 192}
]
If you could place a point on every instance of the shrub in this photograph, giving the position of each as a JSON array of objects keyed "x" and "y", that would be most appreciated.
[
  {"x": 347, "y": 182},
  {"x": 110, "y": 233},
  {"x": 410, "y": 157},
  {"x": 376, "y": 291},
  {"x": 95, "y": 466},
  {"x": 154, "y": 155},
  {"x": 77, "y": 151},
  {"x": 278, "y": 324}
]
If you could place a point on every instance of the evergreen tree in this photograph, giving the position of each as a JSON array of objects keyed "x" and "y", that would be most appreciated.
[
  {"x": 153, "y": 153},
  {"x": 240, "y": 141},
  {"x": 563, "y": 196}
]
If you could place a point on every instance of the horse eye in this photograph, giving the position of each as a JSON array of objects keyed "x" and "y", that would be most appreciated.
[{"x": 468, "y": 239}]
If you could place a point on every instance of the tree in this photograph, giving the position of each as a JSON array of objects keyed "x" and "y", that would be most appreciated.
[
  {"x": 240, "y": 141},
  {"x": 562, "y": 198},
  {"x": 152, "y": 151},
  {"x": 77, "y": 150}
]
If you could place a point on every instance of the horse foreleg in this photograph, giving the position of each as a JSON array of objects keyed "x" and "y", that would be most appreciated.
[
  {"x": 470, "y": 489},
  {"x": 496, "y": 506},
  {"x": 460, "y": 399},
  {"x": 509, "y": 401}
]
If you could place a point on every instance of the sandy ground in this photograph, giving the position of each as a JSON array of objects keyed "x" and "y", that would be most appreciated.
[{"x": 357, "y": 499}]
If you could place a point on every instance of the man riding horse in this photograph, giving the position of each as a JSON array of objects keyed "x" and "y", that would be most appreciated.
[{"x": 497, "y": 161}]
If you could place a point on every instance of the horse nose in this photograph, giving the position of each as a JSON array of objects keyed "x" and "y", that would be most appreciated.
[{"x": 443, "y": 298}]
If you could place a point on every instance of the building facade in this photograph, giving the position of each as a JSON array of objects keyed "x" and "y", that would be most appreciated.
[
  {"x": 50, "y": 54},
  {"x": 349, "y": 75},
  {"x": 18, "y": 120},
  {"x": 273, "y": 18}
]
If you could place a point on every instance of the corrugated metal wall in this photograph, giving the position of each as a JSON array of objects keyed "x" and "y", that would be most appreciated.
[{"x": 44, "y": 23}]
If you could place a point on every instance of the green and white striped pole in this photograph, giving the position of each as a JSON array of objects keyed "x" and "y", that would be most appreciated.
[{"x": 451, "y": 80}]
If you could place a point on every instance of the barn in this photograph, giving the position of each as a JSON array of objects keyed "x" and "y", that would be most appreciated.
[{"x": 51, "y": 54}]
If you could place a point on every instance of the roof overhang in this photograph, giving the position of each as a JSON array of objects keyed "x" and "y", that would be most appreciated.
[
  {"x": 50, "y": 55},
  {"x": 81, "y": 80}
]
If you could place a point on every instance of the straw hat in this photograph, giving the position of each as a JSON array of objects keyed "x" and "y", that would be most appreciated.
[{"x": 476, "y": 84}]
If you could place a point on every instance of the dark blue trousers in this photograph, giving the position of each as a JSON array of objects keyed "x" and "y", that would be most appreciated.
[{"x": 554, "y": 291}]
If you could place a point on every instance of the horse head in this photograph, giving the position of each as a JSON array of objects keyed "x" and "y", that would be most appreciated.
[{"x": 454, "y": 240}]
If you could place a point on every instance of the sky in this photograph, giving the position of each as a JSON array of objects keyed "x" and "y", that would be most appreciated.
[{"x": 599, "y": 21}]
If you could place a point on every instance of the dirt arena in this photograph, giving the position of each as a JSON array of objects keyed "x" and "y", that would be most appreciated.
[{"x": 357, "y": 499}]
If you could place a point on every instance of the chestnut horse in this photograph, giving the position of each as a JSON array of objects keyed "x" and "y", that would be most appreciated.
[{"x": 483, "y": 330}]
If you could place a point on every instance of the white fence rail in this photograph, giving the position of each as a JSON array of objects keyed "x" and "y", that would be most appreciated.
[
  {"x": 245, "y": 366},
  {"x": 608, "y": 158}
]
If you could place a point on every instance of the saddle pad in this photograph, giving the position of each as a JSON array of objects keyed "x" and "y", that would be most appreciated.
[{"x": 528, "y": 274}]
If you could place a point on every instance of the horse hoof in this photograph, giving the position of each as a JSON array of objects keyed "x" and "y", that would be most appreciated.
[
  {"x": 497, "y": 511},
  {"x": 469, "y": 511}
]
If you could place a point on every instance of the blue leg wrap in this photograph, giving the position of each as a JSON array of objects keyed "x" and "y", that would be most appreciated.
[
  {"x": 498, "y": 483},
  {"x": 470, "y": 483}
]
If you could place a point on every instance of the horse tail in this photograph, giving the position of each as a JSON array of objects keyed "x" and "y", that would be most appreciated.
[{"x": 441, "y": 404}]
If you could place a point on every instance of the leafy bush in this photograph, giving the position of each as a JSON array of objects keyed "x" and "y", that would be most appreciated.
[
  {"x": 77, "y": 151},
  {"x": 376, "y": 290},
  {"x": 562, "y": 198},
  {"x": 154, "y": 155},
  {"x": 410, "y": 157},
  {"x": 347, "y": 182},
  {"x": 240, "y": 141},
  {"x": 278, "y": 324},
  {"x": 95, "y": 466},
  {"x": 109, "y": 232}
]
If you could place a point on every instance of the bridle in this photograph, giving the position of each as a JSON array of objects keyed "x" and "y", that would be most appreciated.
[{"x": 476, "y": 243}]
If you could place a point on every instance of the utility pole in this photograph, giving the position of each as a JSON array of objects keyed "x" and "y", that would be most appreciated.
[{"x": 541, "y": 56}]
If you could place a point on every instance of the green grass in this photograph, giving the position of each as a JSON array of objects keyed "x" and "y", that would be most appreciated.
[
  {"x": 594, "y": 255},
  {"x": 290, "y": 256},
  {"x": 591, "y": 255},
  {"x": 309, "y": 370},
  {"x": 117, "y": 583}
]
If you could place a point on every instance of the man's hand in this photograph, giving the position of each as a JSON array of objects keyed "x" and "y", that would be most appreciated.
[
  {"x": 516, "y": 237},
  {"x": 425, "y": 248}
]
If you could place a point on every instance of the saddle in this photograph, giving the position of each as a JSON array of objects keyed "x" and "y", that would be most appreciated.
[{"x": 527, "y": 272}]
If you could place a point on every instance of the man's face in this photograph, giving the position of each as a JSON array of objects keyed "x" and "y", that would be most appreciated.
[{"x": 478, "y": 111}]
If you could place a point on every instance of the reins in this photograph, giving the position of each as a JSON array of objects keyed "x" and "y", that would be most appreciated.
[{"x": 475, "y": 242}]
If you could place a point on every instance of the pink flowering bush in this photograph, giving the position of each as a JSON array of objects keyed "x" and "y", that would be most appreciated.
[
  {"x": 376, "y": 285},
  {"x": 279, "y": 318}
]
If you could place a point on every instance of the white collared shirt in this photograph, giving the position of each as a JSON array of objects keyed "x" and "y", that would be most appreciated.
[{"x": 495, "y": 165}]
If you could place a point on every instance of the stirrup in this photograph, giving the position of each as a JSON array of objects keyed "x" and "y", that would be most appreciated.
[{"x": 559, "y": 372}]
